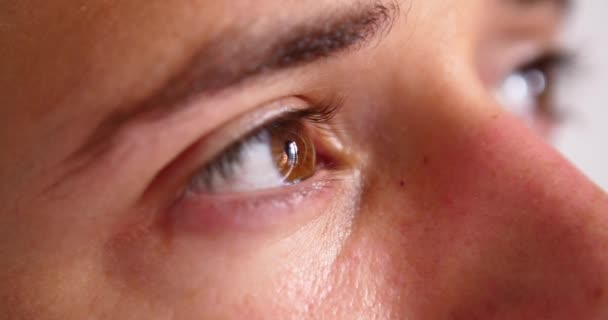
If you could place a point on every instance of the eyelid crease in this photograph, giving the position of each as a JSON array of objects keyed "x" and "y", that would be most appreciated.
[{"x": 237, "y": 57}]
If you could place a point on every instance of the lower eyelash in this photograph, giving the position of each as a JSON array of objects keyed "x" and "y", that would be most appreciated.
[{"x": 204, "y": 213}]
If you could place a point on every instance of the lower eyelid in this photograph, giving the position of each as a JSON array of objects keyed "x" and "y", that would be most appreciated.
[{"x": 211, "y": 214}]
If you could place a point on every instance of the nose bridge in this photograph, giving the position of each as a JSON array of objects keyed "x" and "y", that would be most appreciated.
[
  {"x": 481, "y": 203},
  {"x": 445, "y": 131},
  {"x": 499, "y": 168}
]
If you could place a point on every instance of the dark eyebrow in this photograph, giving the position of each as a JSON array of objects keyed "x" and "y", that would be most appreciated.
[
  {"x": 223, "y": 64},
  {"x": 299, "y": 44}
]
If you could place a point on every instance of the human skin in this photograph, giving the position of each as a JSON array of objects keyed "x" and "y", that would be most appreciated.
[{"x": 445, "y": 207}]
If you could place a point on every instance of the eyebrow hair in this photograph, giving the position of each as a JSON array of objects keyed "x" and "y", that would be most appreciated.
[{"x": 224, "y": 64}]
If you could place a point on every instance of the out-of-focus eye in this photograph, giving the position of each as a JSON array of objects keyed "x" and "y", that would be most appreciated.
[
  {"x": 279, "y": 154},
  {"x": 528, "y": 91},
  {"x": 522, "y": 91}
]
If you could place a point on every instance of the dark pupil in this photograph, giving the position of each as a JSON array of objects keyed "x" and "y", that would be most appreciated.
[{"x": 292, "y": 152}]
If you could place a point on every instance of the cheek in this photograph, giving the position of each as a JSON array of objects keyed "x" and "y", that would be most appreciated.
[
  {"x": 237, "y": 274},
  {"x": 364, "y": 280}
]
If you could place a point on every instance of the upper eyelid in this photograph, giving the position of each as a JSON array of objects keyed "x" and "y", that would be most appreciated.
[
  {"x": 317, "y": 113},
  {"x": 245, "y": 125},
  {"x": 554, "y": 60}
]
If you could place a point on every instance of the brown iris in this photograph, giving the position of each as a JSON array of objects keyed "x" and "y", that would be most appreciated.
[{"x": 293, "y": 151}]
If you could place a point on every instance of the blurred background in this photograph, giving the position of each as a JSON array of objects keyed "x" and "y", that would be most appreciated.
[{"x": 584, "y": 93}]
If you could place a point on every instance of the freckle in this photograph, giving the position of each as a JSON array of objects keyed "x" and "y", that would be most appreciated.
[
  {"x": 426, "y": 160},
  {"x": 596, "y": 294},
  {"x": 449, "y": 201}
]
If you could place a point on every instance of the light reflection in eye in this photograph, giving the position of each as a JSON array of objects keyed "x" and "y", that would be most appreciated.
[{"x": 520, "y": 91}]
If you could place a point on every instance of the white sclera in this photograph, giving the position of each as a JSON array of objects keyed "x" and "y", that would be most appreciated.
[{"x": 256, "y": 170}]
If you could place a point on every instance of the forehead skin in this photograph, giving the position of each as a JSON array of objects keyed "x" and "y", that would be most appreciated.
[
  {"x": 76, "y": 60},
  {"x": 98, "y": 55},
  {"x": 487, "y": 216}
]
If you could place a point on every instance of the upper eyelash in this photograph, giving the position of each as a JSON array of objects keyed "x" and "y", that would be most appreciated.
[
  {"x": 555, "y": 60},
  {"x": 317, "y": 114},
  {"x": 321, "y": 112}
]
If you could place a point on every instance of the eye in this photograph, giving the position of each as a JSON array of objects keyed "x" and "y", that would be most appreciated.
[
  {"x": 528, "y": 91},
  {"x": 278, "y": 165},
  {"x": 281, "y": 153}
]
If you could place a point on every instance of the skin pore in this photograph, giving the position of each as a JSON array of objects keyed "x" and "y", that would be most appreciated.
[{"x": 429, "y": 200}]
